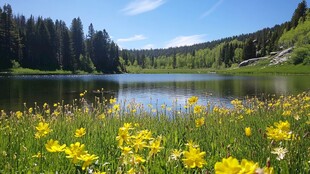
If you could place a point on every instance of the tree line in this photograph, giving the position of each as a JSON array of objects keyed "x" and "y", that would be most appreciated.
[
  {"x": 224, "y": 52},
  {"x": 44, "y": 44}
]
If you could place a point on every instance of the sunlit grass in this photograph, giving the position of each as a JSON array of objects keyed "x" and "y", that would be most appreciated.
[{"x": 254, "y": 136}]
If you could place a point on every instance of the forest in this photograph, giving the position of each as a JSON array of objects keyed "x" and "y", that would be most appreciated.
[{"x": 43, "y": 44}]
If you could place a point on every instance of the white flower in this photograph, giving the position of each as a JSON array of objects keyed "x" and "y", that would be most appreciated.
[{"x": 280, "y": 152}]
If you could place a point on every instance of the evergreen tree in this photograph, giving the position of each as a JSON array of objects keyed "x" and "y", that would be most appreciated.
[
  {"x": 10, "y": 42},
  {"x": 249, "y": 50},
  {"x": 299, "y": 13},
  {"x": 77, "y": 37}
]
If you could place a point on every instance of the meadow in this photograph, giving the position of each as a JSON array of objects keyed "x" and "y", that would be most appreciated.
[{"x": 107, "y": 136}]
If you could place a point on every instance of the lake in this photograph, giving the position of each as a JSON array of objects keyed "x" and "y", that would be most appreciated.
[{"x": 156, "y": 89}]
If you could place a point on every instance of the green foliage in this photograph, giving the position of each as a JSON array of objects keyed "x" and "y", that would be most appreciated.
[
  {"x": 15, "y": 64},
  {"x": 86, "y": 64},
  {"x": 296, "y": 36},
  {"x": 301, "y": 55}
]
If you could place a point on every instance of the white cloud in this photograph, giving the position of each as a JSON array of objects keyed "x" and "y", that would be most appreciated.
[
  {"x": 148, "y": 46},
  {"x": 185, "y": 40},
  {"x": 131, "y": 39},
  {"x": 142, "y": 6},
  {"x": 212, "y": 9}
]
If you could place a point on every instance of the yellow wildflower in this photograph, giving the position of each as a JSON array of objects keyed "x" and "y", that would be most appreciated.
[
  {"x": 281, "y": 131},
  {"x": 54, "y": 146},
  {"x": 139, "y": 144},
  {"x": 191, "y": 144},
  {"x": 193, "y": 100},
  {"x": 194, "y": 158},
  {"x": 112, "y": 100},
  {"x": 248, "y": 131},
  {"x": 197, "y": 109},
  {"x": 19, "y": 114},
  {"x": 42, "y": 130},
  {"x": 248, "y": 166},
  {"x": 131, "y": 171},
  {"x": 268, "y": 170},
  {"x": 155, "y": 146},
  {"x": 75, "y": 151},
  {"x": 126, "y": 150},
  {"x": 123, "y": 136},
  {"x": 137, "y": 159},
  {"x": 228, "y": 165},
  {"x": 30, "y": 110},
  {"x": 38, "y": 155},
  {"x": 116, "y": 107},
  {"x": 80, "y": 132},
  {"x": 200, "y": 121},
  {"x": 88, "y": 159},
  {"x": 287, "y": 113}
]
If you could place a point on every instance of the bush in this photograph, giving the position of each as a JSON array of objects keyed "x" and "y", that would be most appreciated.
[{"x": 301, "y": 55}]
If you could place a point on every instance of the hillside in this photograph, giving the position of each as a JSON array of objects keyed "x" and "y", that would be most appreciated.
[{"x": 231, "y": 51}]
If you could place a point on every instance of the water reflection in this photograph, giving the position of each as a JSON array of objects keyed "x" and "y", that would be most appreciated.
[{"x": 144, "y": 88}]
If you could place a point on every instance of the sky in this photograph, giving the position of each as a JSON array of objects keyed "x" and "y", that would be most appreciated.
[{"x": 146, "y": 24}]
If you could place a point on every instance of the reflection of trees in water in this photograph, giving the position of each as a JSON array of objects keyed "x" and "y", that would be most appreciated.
[{"x": 17, "y": 90}]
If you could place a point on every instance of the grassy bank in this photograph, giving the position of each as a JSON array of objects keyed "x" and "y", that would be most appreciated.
[
  {"x": 271, "y": 136},
  {"x": 274, "y": 69},
  {"x": 27, "y": 71}
]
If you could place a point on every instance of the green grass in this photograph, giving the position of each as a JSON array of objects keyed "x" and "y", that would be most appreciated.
[
  {"x": 170, "y": 71},
  {"x": 221, "y": 135},
  {"x": 27, "y": 71},
  {"x": 274, "y": 69}
]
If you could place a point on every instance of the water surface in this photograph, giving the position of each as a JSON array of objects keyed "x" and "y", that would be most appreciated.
[{"x": 144, "y": 88}]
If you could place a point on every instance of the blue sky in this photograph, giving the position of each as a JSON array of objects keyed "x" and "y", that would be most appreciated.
[{"x": 144, "y": 24}]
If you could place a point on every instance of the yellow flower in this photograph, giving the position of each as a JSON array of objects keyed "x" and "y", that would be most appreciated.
[
  {"x": 80, "y": 132},
  {"x": 139, "y": 144},
  {"x": 75, "y": 151},
  {"x": 137, "y": 159},
  {"x": 281, "y": 131},
  {"x": 19, "y": 114},
  {"x": 116, "y": 107},
  {"x": 194, "y": 158},
  {"x": 38, "y": 155},
  {"x": 197, "y": 109},
  {"x": 126, "y": 150},
  {"x": 268, "y": 170},
  {"x": 123, "y": 136},
  {"x": 131, "y": 171},
  {"x": 287, "y": 113},
  {"x": 54, "y": 146},
  {"x": 191, "y": 144},
  {"x": 30, "y": 110},
  {"x": 200, "y": 121},
  {"x": 193, "y": 100},
  {"x": 248, "y": 166},
  {"x": 81, "y": 94},
  {"x": 42, "y": 130},
  {"x": 155, "y": 146},
  {"x": 88, "y": 159},
  {"x": 248, "y": 131},
  {"x": 112, "y": 100},
  {"x": 228, "y": 165}
]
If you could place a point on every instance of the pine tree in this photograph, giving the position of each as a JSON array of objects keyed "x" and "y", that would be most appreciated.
[
  {"x": 77, "y": 37},
  {"x": 299, "y": 13}
]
